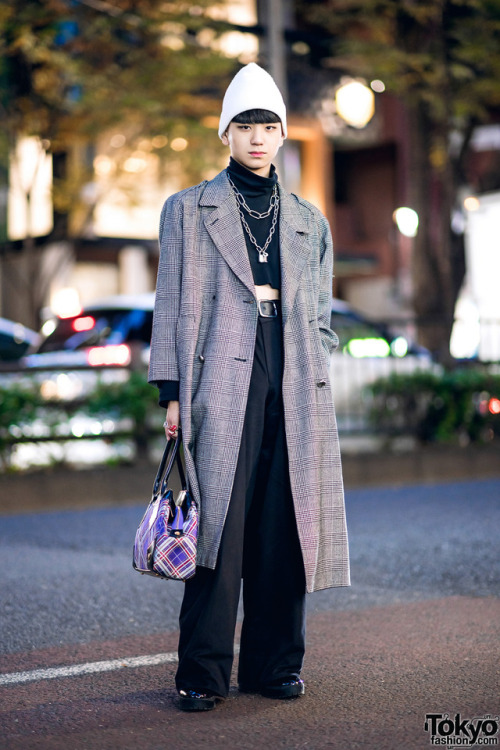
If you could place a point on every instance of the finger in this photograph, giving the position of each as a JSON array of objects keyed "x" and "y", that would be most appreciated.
[{"x": 172, "y": 430}]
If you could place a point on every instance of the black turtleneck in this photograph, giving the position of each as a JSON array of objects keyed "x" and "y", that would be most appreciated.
[{"x": 257, "y": 192}]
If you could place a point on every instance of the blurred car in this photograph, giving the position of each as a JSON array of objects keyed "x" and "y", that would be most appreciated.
[
  {"x": 101, "y": 344},
  {"x": 112, "y": 331},
  {"x": 15, "y": 340},
  {"x": 361, "y": 337},
  {"x": 107, "y": 338},
  {"x": 112, "y": 335},
  {"x": 368, "y": 350}
]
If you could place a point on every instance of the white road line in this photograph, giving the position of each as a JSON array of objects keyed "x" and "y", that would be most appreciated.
[{"x": 14, "y": 678}]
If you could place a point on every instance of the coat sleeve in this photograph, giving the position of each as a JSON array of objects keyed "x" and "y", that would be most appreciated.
[
  {"x": 329, "y": 338},
  {"x": 168, "y": 391},
  {"x": 163, "y": 363}
]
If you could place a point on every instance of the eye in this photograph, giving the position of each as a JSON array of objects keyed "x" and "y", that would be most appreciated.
[
  {"x": 243, "y": 127},
  {"x": 271, "y": 127}
]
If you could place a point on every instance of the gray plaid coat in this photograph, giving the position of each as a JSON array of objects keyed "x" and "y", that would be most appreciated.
[{"x": 204, "y": 330}]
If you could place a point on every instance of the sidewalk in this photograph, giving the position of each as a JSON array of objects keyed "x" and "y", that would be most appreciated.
[{"x": 371, "y": 676}]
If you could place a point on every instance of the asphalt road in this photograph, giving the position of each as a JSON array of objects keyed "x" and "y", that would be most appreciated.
[
  {"x": 67, "y": 576},
  {"x": 422, "y": 613}
]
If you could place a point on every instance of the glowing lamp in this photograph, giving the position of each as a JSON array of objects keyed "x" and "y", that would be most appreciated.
[
  {"x": 494, "y": 406},
  {"x": 355, "y": 103},
  {"x": 471, "y": 203},
  {"x": 66, "y": 303},
  {"x": 406, "y": 220}
]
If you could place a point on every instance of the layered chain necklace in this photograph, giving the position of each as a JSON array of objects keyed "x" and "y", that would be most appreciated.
[{"x": 273, "y": 208}]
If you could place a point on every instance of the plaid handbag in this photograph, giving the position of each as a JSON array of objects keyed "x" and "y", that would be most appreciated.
[{"x": 165, "y": 542}]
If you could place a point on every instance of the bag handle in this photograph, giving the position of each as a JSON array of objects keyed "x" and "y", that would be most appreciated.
[
  {"x": 172, "y": 455},
  {"x": 171, "y": 444},
  {"x": 180, "y": 468}
]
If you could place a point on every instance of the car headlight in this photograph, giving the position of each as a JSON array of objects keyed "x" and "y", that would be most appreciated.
[
  {"x": 369, "y": 347},
  {"x": 399, "y": 347}
]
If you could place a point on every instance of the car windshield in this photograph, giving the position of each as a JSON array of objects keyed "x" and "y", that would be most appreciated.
[{"x": 99, "y": 327}]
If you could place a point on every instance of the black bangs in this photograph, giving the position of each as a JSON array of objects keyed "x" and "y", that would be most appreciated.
[{"x": 256, "y": 117}]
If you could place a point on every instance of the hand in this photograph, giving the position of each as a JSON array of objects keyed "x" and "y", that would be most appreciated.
[{"x": 173, "y": 419}]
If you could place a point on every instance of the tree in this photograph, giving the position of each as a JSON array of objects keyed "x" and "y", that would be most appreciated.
[
  {"x": 70, "y": 69},
  {"x": 442, "y": 58}
]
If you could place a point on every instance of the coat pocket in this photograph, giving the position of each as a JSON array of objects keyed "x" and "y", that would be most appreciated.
[{"x": 321, "y": 352}]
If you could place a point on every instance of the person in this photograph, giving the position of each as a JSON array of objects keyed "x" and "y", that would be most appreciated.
[{"x": 240, "y": 351}]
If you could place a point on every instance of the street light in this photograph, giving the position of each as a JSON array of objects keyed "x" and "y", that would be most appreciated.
[
  {"x": 406, "y": 220},
  {"x": 355, "y": 103}
]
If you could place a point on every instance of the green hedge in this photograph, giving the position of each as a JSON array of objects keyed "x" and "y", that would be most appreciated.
[
  {"x": 134, "y": 399},
  {"x": 22, "y": 404},
  {"x": 458, "y": 406},
  {"x": 19, "y": 406}
]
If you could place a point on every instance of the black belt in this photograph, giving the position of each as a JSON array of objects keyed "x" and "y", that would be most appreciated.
[{"x": 268, "y": 308}]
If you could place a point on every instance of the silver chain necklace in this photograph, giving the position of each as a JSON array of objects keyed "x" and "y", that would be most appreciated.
[
  {"x": 254, "y": 214},
  {"x": 273, "y": 206}
]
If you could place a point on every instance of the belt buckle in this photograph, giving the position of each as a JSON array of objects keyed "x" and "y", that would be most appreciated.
[{"x": 267, "y": 302}]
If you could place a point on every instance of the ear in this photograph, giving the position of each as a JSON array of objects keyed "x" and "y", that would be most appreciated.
[{"x": 225, "y": 139}]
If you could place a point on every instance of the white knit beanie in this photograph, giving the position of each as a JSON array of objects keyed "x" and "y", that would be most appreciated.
[{"x": 251, "y": 88}]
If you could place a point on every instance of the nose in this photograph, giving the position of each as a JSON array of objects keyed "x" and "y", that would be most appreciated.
[{"x": 257, "y": 134}]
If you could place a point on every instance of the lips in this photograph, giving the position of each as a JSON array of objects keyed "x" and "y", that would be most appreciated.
[{"x": 256, "y": 153}]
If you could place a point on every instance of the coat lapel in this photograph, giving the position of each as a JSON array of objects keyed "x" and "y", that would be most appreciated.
[
  {"x": 294, "y": 249},
  {"x": 224, "y": 227}
]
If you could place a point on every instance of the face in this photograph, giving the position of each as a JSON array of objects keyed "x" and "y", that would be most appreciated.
[{"x": 254, "y": 146}]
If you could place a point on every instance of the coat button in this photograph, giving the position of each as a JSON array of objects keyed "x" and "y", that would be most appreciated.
[
  {"x": 201, "y": 357},
  {"x": 321, "y": 383}
]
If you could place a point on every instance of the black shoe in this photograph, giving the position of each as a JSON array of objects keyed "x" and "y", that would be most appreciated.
[
  {"x": 191, "y": 700},
  {"x": 283, "y": 690}
]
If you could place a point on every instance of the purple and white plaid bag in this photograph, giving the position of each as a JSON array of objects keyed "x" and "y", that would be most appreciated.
[{"x": 165, "y": 542}]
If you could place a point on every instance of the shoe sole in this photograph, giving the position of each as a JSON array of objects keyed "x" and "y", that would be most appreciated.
[
  {"x": 282, "y": 692},
  {"x": 198, "y": 704}
]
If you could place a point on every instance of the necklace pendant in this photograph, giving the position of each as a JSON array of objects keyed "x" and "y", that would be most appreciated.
[{"x": 262, "y": 257}]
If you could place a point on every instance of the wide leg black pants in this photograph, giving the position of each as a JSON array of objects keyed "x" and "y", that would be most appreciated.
[{"x": 259, "y": 544}]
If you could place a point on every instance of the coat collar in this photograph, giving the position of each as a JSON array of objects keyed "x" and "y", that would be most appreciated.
[{"x": 224, "y": 227}]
